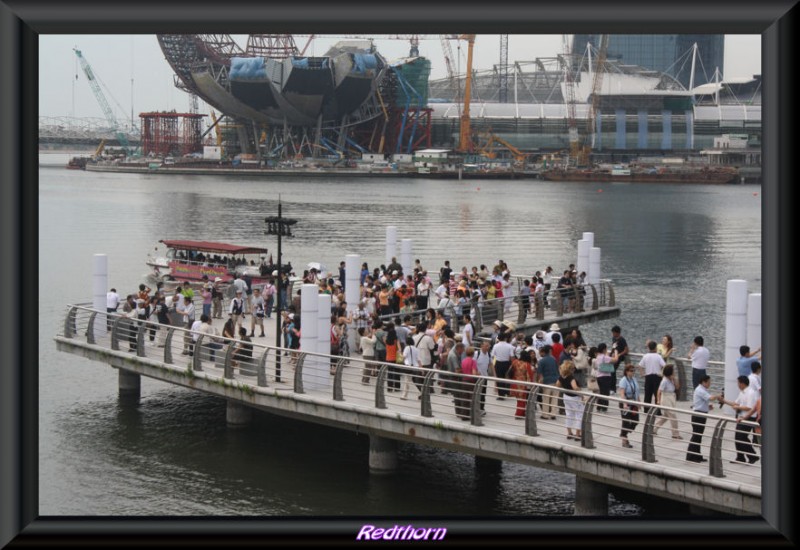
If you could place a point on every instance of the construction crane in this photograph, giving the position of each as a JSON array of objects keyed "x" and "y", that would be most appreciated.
[
  {"x": 487, "y": 150},
  {"x": 569, "y": 89},
  {"x": 465, "y": 144},
  {"x": 597, "y": 83},
  {"x": 447, "y": 51},
  {"x": 101, "y": 99},
  {"x": 503, "y": 69}
]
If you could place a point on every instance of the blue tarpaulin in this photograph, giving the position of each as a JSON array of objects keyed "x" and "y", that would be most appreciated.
[
  {"x": 247, "y": 68},
  {"x": 362, "y": 62}
]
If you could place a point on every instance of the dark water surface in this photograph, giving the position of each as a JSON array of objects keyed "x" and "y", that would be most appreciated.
[{"x": 668, "y": 248}]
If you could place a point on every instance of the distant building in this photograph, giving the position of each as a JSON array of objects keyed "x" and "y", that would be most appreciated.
[{"x": 667, "y": 53}]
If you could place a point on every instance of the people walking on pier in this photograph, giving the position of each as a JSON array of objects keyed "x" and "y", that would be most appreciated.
[
  {"x": 619, "y": 351},
  {"x": 112, "y": 304},
  {"x": 744, "y": 403},
  {"x": 243, "y": 351},
  {"x": 216, "y": 299},
  {"x": 522, "y": 370},
  {"x": 162, "y": 314},
  {"x": 450, "y": 369},
  {"x": 258, "y": 312},
  {"x": 187, "y": 310},
  {"x": 269, "y": 298},
  {"x": 548, "y": 375},
  {"x": 628, "y": 389},
  {"x": 367, "y": 343},
  {"x": 236, "y": 308},
  {"x": 207, "y": 295},
  {"x": 464, "y": 383},
  {"x": 573, "y": 403},
  {"x": 603, "y": 367},
  {"x": 700, "y": 357},
  {"x": 755, "y": 377},
  {"x": 652, "y": 363},
  {"x": 666, "y": 397},
  {"x": 701, "y": 405},
  {"x": 393, "y": 348},
  {"x": 413, "y": 360}
]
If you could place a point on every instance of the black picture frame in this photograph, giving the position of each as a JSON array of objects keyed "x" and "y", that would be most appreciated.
[{"x": 22, "y": 21}]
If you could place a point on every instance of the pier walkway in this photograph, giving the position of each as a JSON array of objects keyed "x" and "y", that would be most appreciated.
[{"x": 305, "y": 389}]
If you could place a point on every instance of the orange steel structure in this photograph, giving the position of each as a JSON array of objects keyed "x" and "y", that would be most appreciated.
[{"x": 170, "y": 133}]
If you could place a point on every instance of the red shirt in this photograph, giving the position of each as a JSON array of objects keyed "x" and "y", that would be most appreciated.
[
  {"x": 469, "y": 366},
  {"x": 557, "y": 350}
]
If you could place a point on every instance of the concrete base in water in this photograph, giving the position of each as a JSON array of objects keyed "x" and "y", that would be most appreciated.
[
  {"x": 488, "y": 464},
  {"x": 382, "y": 455},
  {"x": 591, "y": 497},
  {"x": 238, "y": 416},
  {"x": 130, "y": 383}
]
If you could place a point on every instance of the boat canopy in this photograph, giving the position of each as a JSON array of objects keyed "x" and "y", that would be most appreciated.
[{"x": 207, "y": 246}]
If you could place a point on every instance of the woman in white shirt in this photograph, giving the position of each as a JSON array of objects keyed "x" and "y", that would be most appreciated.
[
  {"x": 367, "y": 352},
  {"x": 666, "y": 397},
  {"x": 411, "y": 358}
]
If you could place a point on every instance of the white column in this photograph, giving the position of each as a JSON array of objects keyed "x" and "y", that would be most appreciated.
[
  {"x": 99, "y": 289},
  {"x": 583, "y": 257},
  {"x": 594, "y": 275},
  {"x": 588, "y": 236},
  {"x": 352, "y": 290},
  {"x": 391, "y": 243},
  {"x": 308, "y": 320},
  {"x": 322, "y": 378},
  {"x": 735, "y": 332},
  {"x": 754, "y": 321},
  {"x": 405, "y": 256}
]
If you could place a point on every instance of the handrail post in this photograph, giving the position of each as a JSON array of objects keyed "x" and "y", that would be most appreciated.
[
  {"x": 197, "y": 364},
  {"x": 228, "y": 365},
  {"x": 539, "y": 306},
  {"x": 168, "y": 345},
  {"x": 521, "y": 312},
  {"x": 426, "y": 409},
  {"x": 115, "y": 333},
  {"x": 611, "y": 299},
  {"x": 70, "y": 321},
  {"x": 715, "y": 454},
  {"x": 648, "y": 447},
  {"x": 140, "y": 330},
  {"x": 587, "y": 441},
  {"x": 90, "y": 331},
  {"x": 680, "y": 368},
  {"x": 559, "y": 303},
  {"x": 595, "y": 301},
  {"x": 476, "y": 419},
  {"x": 338, "y": 394},
  {"x": 298, "y": 374},
  {"x": 380, "y": 391},
  {"x": 530, "y": 412},
  {"x": 262, "y": 369}
]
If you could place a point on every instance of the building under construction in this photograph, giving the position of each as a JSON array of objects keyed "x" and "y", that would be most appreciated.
[
  {"x": 280, "y": 103},
  {"x": 170, "y": 133}
]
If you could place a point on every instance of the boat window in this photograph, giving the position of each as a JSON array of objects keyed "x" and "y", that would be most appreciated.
[{"x": 170, "y": 253}]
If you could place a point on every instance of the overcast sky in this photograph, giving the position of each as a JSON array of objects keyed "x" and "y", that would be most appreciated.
[{"x": 139, "y": 79}]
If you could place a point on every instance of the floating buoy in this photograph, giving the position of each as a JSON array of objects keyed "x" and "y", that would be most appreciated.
[
  {"x": 755, "y": 194},
  {"x": 477, "y": 189}
]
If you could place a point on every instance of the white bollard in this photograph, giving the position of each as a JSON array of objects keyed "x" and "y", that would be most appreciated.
[
  {"x": 99, "y": 290},
  {"x": 754, "y": 321},
  {"x": 583, "y": 257},
  {"x": 594, "y": 275},
  {"x": 735, "y": 333},
  {"x": 588, "y": 236},
  {"x": 322, "y": 378},
  {"x": 405, "y": 257},
  {"x": 352, "y": 290},
  {"x": 391, "y": 243}
]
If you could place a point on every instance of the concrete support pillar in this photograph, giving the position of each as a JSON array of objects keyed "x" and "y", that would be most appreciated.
[
  {"x": 99, "y": 289},
  {"x": 486, "y": 464},
  {"x": 754, "y": 321},
  {"x": 391, "y": 243},
  {"x": 382, "y": 455},
  {"x": 591, "y": 497},
  {"x": 238, "y": 415},
  {"x": 130, "y": 383},
  {"x": 406, "y": 256},
  {"x": 322, "y": 379},
  {"x": 735, "y": 332}
]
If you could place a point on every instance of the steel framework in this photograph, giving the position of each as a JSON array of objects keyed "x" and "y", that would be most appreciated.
[{"x": 170, "y": 133}]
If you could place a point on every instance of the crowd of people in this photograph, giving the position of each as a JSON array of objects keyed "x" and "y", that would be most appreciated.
[{"x": 417, "y": 345}]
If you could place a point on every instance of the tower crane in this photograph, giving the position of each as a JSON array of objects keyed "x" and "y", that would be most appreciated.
[
  {"x": 465, "y": 144},
  {"x": 101, "y": 99},
  {"x": 597, "y": 83},
  {"x": 569, "y": 89}
]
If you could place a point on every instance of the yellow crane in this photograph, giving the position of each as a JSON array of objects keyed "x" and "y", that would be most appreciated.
[
  {"x": 465, "y": 144},
  {"x": 99, "y": 150},
  {"x": 487, "y": 150}
]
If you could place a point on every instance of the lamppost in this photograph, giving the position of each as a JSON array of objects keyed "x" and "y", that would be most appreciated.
[{"x": 280, "y": 226}]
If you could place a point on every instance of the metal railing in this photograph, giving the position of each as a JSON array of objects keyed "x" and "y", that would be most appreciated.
[{"x": 252, "y": 367}]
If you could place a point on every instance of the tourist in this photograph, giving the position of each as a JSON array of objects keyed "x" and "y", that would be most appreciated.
[
  {"x": 755, "y": 376},
  {"x": 665, "y": 348},
  {"x": 701, "y": 405},
  {"x": 210, "y": 342},
  {"x": 556, "y": 348},
  {"x": 229, "y": 329},
  {"x": 523, "y": 373},
  {"x": 629, "y": 390},
  {"x": 236, "y": 308},
  {"x": 188, "y": 320},
  {"x": 619, "y": 351},
  {"x": 603, "y": 367},
  {"x": 393, "y": 348},
  {"x": 554, "y": 329},
  {"x": 243, "y": 351},
  {"x": 412, "y": 360},
  {"x": 467, "y": 331},
  {"x": 206, "y": 293},
  {"x": 269, "y": 298},
  {"x": 548, "y": 375},
  {"x": 112, "y": 304},
  {"x": 667, "y": 397},
  {"x": 426, "y": 346},
  {"x": 502, "y": 352},
  {"x": 699, "y": 356},
  {"x": 258, "y": 312},
  {"x": 452, "y": 366},
  {"x": 367, "y": 344},
  {"x": 162, "y": 314},
  {"x": 483, "y": 362},
  {"x": 444, "y": 273},
  {"x": 651, "y": 363},
  {"x": 746, "y": 359},
  {"x": 423, "y": 290},
  {"x": 216, "y": 299},
  {"x": 744, "y": 403},
  {"x": 573, "y": 402}
]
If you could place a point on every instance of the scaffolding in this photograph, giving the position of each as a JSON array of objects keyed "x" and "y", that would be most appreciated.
[{"x": 171, "y": 133}]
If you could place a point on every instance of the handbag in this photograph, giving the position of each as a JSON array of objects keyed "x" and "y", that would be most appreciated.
[
  {"x": 607, "y": 367},
  {"x": 592, "y": 385}
]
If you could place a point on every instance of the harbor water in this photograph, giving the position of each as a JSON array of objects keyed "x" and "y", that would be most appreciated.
[{"x": 668, "y": 248}]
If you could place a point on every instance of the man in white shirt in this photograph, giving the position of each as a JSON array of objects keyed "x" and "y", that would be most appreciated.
[
  {"x": 195, "y": 333},
  {"x": 744, "y": 402},
  {"x": 699, "y": 356},
  {"x": 651, "y": 363},
  {"x": 112, "y": 303},
  {"x": 440, "y": 293},
  {"x": 548, "y": 338},
  {"x": 755, "y": 377},
  {"x": 502, "y": 352}
]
